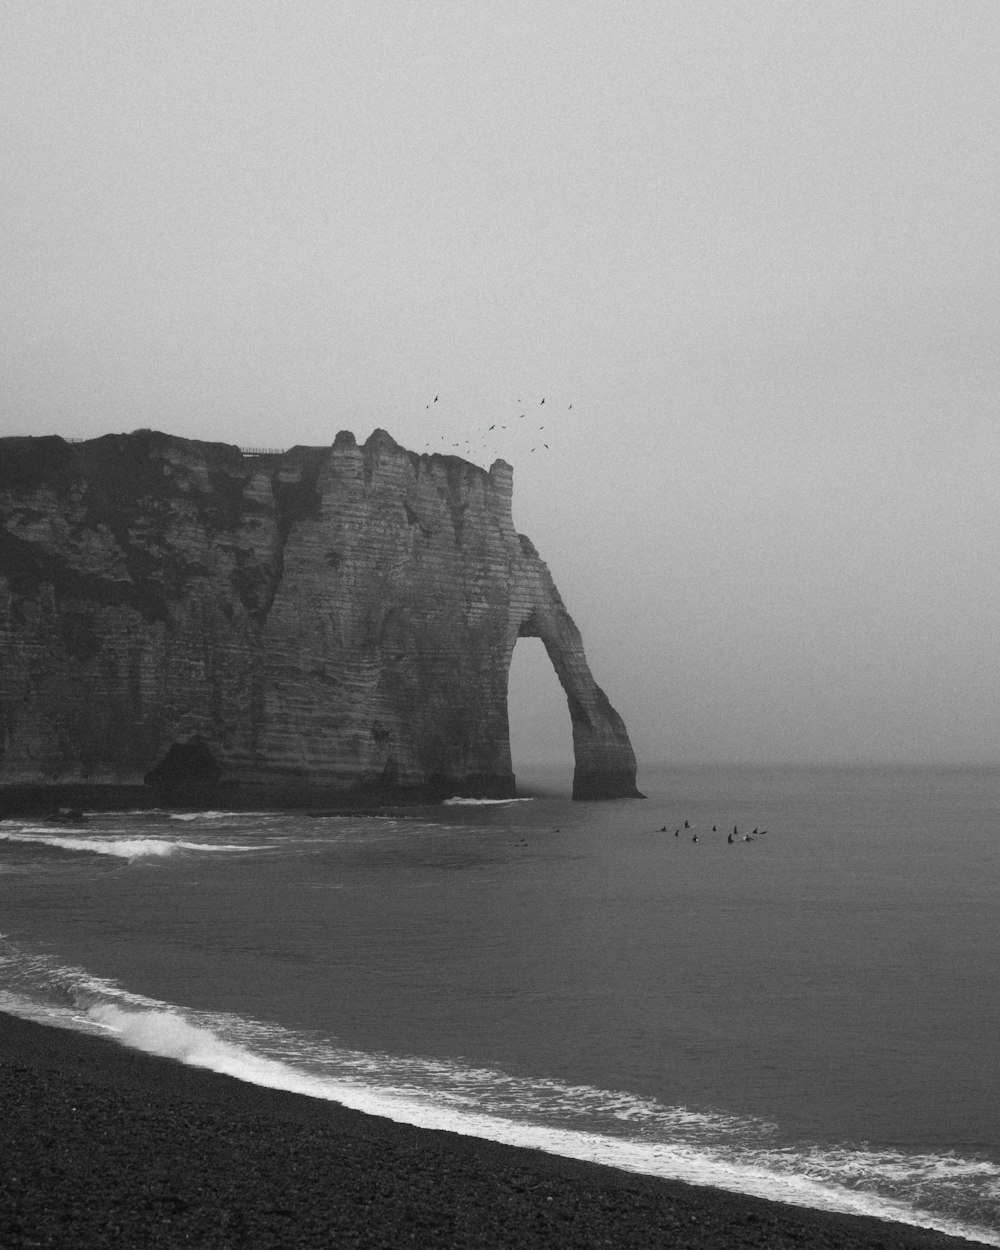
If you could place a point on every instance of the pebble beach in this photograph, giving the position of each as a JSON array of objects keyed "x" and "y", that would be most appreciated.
[{"x": 105, "y": 1146}]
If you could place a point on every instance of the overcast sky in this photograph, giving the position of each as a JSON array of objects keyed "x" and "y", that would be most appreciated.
[{"x": 754, "y": 244}]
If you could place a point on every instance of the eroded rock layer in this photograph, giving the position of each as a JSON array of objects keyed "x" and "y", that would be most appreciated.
[{"x": 281, "y": 628}]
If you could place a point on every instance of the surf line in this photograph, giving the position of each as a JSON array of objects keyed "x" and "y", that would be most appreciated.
[{"x": 162, "y": 1030}]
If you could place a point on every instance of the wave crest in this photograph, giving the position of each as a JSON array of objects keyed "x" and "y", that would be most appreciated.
[
  {"x": 458, "y": 801},
  {"x": 122, "y": 848}
]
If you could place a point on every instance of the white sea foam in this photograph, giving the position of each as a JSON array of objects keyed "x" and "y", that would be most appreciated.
[
  {"x": 51, "y": 987},
  {"x": 460, "y": 802},
  {"x": 582, "y": 1122},
  {"x": 123, "y": 847},
  {"x": 214, "y": 815},
  {"x": 164, "y": 1032}
]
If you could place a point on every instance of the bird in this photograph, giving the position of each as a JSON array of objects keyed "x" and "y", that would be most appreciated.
[
  {"x": 435, "y": 399},
  {"x": 493, "y": 427},
  {"x": 543, "y": 401}
]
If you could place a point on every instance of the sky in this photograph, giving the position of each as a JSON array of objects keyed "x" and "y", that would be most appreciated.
[{"x": 753, "y": 243}]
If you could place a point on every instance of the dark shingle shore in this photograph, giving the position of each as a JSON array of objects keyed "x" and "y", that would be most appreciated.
[{"x": 102, "y": 1146}]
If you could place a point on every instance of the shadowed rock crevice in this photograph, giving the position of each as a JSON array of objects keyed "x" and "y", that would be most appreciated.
[
  {"x": 188, "y": 773},
  {"x": 292, "y": 628}
]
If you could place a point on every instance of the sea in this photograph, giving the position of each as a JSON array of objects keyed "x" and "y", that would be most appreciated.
[{"x": 779, "y": 981}]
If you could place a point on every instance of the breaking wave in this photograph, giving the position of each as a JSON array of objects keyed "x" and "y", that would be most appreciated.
[
  {"x": 945, "y": 1192},
  {"x": 124, "y": 847},
  {"x": 214, "y": 815},
  {"x": 457, "y": 801}
]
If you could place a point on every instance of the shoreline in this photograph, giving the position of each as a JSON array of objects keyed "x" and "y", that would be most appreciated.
[{"x": 103, "y": 1145}]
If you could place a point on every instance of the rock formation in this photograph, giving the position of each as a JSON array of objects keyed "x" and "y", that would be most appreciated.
[{"x": 282, "y": 629}]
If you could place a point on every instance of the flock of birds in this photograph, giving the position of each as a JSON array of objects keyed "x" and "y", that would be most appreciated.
[
  {"x": 735, "y": 836},
  {"x": 471, "y": 446}
]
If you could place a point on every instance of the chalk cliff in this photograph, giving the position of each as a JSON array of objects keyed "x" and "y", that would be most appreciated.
[{"x": 285, "y": 628}]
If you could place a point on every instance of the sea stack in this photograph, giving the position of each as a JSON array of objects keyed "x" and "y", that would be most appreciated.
[{"x": 286, "y": 628}]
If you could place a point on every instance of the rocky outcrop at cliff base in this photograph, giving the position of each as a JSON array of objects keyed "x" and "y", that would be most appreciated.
[{"x": 282, "y": 629}]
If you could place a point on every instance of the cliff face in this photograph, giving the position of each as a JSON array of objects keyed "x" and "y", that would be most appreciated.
[{"x": 288, "y": 628}]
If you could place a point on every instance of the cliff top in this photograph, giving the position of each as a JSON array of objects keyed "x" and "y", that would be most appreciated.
[{"x": 24, "y": 456}]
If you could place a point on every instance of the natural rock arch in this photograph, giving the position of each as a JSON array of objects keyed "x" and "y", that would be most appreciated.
[
  {"x": 604, "y": 763},
  {"x": 313, "y": 623}
]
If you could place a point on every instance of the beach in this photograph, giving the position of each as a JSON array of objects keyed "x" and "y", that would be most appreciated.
[{"x": 102, "y": 1145}]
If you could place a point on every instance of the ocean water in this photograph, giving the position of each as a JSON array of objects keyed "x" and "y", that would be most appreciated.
[{"x": 810, "y": 1015}]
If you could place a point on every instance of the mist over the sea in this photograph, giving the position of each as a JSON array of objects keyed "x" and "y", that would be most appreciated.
[{"x": 745, "y": 252}]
